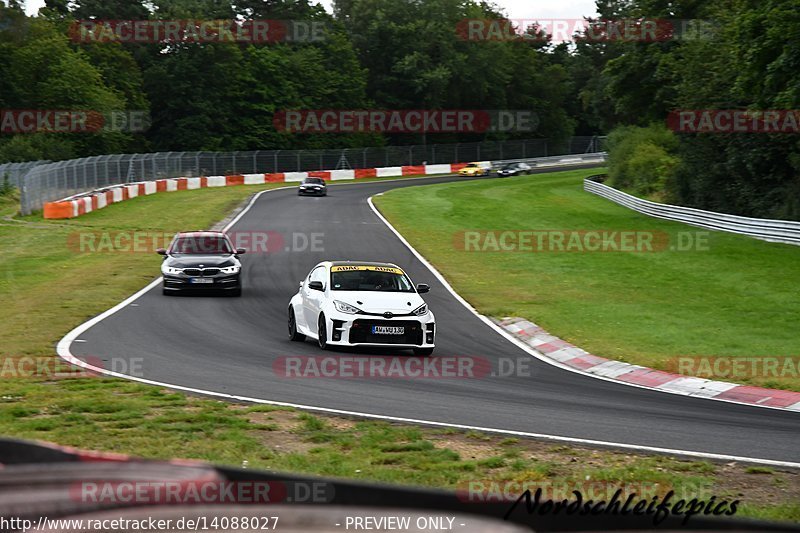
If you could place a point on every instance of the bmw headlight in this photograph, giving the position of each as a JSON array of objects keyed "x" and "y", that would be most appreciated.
[
  {"x": 170, "y": 270},
  {"x": 422, "y": 310},
  {"x": 230, "y": 270},
  {"x": 346, "y": 308}
]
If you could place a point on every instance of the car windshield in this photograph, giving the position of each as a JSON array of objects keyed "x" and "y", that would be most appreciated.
[
  {"x": 369, "y": 278},
  {"x": 207, "y": 244},
  {"x": 471, "y": 165},
  {"x": 314, "y": 181}
]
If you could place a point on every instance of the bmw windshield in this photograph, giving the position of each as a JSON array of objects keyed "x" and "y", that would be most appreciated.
[{"x": 201, "y": 246}]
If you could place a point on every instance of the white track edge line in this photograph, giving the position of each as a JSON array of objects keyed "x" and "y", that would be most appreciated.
[
  {"x": 529, "y": 349},
  {"x": 63, "y": 351}
]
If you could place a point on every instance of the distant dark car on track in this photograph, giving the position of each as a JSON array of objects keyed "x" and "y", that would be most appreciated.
[
  {"x": 201, "y": 260},
  {"x": 313, "y": 186},
  {"x": 513, "y": 169}
]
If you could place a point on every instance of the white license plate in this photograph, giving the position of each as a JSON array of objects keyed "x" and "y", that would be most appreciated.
[
  {"x": 388, "y": 330},
  {"x": 201, "y": 280}
]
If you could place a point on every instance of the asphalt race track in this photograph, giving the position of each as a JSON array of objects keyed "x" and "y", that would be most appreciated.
[{"x": 228, "y": 345}]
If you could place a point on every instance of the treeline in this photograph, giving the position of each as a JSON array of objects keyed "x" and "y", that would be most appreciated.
[
  {"x": 412, "y": 54},
  {"x": 749, "y": 59},
  {"x": 375, "y": 54}
]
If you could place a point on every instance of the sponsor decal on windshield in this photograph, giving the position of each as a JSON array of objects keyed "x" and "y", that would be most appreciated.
[{"x": 350, "y": 268}]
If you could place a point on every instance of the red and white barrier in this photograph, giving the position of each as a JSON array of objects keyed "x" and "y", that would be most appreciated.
[{"x": 76, "y": 206}]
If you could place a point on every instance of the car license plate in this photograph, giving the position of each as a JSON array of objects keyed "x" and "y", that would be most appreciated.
[
  {"x": 388, "y": 330},
  {"x": 201, "y": 280}
]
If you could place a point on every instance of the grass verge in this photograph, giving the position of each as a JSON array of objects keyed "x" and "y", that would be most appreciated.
[
  {"x": 730, "y": 296},
  {"x": 46, "y": 294}
]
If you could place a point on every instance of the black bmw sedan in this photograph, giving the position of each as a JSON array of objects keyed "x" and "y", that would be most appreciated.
[{"x": 201, "y": 260}]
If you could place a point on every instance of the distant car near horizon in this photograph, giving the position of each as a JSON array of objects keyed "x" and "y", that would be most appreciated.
[
  {"x": 513, "y": 169},
  {"x": 201, "y": 260},
  {"x": 480, "y": 168},
  {"x": 313, "y": 187},
  {"x": 344, "y": 303}
]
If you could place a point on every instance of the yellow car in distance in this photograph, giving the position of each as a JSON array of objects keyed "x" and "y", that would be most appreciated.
[{"x": 481, "y": 168}]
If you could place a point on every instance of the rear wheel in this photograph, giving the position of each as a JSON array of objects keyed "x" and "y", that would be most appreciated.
[
  {"x": 293, "y": 333},
  {"x": 423, "y": 352},
  {"x": 322, "y": 333}
]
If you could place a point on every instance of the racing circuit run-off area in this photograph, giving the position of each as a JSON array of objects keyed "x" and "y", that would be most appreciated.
[{"x": 399, "y": 265}]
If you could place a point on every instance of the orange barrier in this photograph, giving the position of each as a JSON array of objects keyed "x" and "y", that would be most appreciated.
[
  {"x": 413, "y": 169},
  {"x": 237, "y": 179},
  {"x": 366, "y": 173},
  {"x": 58, "y": 210},
  {"x": 324, "y": 175}
]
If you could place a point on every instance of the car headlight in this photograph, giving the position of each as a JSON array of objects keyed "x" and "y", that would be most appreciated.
[
  {"x": 170, "y": 270},
  {"x": 422, "y": 310},
  {"x": 346, "y": 308},
  {"x": 230, "y": 270}
]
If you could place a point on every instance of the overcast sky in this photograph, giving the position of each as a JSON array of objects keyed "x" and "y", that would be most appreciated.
[{"x": 516, "y": 9}]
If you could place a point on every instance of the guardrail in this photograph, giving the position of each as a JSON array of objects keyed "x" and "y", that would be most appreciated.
[
  {"x": 782, "y": 231},
  {"x": 541, "y": 162},
  {"x": 49, "y": 182},
  {"x": 86, "y": 202}
]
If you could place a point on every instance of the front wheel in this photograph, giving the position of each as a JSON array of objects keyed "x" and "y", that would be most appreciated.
[
  {"x": 294, "y": 335},
  {"x": 423, "y": 352},
  {"x": 322, "y": 333}
]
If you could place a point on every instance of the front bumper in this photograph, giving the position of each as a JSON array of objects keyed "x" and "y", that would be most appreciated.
[
  {"x": 312, "y": 192},
  {"x": 357, "y": 330},
  {"x": 220, "y": 282}
]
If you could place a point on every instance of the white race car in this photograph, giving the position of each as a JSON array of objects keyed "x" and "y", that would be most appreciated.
[{"x": 345, "y": 303}]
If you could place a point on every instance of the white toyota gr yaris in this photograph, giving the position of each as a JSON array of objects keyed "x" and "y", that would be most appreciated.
[{"x": 344, "y": 303}]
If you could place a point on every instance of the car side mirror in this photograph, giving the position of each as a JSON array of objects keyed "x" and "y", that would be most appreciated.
[
  {"x": 422, "y": 288},
  {"x": 315, "y": 285},
  {"x": 240, "y": 251},
  {"x": 161, "y": 251}
]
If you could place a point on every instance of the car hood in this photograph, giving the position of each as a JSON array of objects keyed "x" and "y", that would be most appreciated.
[
  {"x": 380, "y": 302},
  {"x": 191, "y": 260}
]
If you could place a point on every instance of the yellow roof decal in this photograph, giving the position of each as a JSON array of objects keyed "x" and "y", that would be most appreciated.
[{"x": 349, "y": 268}]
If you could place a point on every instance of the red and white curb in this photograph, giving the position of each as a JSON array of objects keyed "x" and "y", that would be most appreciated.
[
  {"x": 561, "y": 351},
  {"x": 75, "y": 206}
]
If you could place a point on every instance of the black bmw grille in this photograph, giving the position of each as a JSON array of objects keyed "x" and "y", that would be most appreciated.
[
  {"x": 361, "y": 331},
  {"x": 201, "y": 272}
]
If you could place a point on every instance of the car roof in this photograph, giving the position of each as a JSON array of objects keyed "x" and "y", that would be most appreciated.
[
  {"x": 201, "y": 233},
  {"x": 361, "y": 263}
]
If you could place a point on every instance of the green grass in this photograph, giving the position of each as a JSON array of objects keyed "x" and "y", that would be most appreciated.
[
  {"x": 45, "y": 294},
  {"x": 737, "y": 297}
]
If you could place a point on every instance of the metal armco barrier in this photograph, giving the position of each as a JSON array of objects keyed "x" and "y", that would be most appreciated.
[
  {"x": 783, "y": 231},
  {"x": 42, "y": 182}
]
